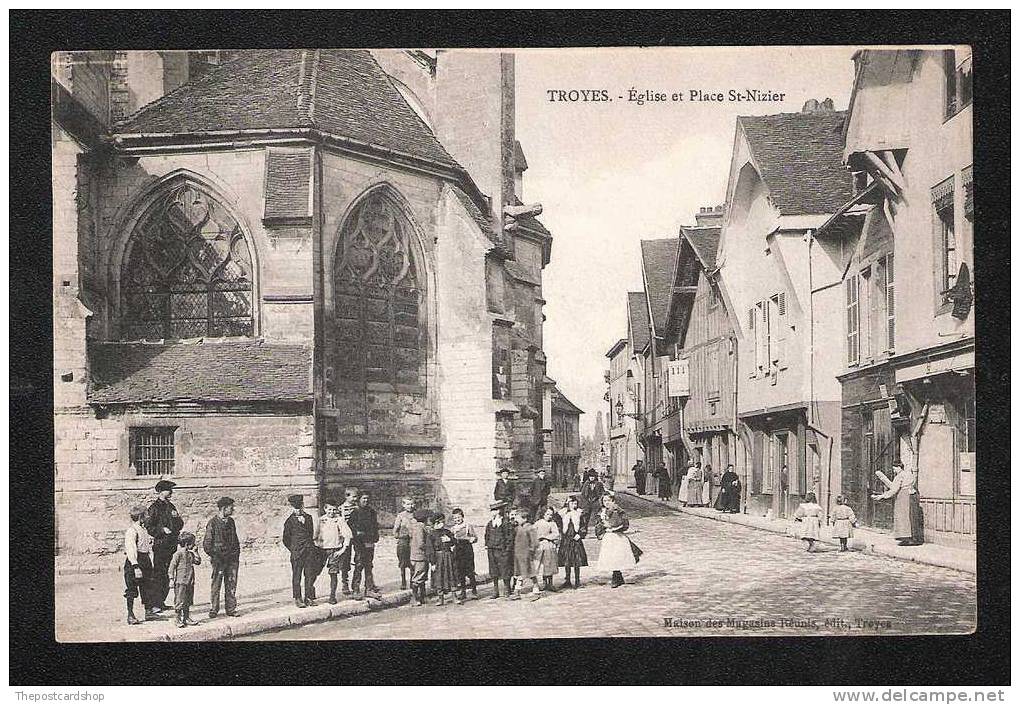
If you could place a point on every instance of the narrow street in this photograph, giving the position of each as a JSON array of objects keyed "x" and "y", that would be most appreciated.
[{"x": 709, "y": 578}]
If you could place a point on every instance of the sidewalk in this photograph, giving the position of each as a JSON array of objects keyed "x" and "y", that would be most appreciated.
[
  {"x": 90, "y": 606},
  {"x": 864, "y": 540}
]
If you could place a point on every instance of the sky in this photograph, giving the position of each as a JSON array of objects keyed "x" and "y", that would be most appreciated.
[{"x": 611, "y": 173}]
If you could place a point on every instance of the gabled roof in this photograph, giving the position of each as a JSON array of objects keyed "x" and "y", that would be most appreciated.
[
  {"x": 705, "y": 243},
  {"x": 561, "y": 403},
  {"x": 658, "y": 260},
  {"x": 799, "y": 157},
  {"x": 637, "y": 319},
  {"x": 241, "y": 371},
  {"x": 339, "y": 92}
]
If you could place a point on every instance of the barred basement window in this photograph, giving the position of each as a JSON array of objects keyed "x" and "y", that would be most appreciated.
[
  {"x": 187, "y": 271},
  {"x": 379, "y": 295},
  {"x": 152, "y": 450}
]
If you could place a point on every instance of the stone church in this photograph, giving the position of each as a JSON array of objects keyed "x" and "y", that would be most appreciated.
[{"x": 290, "y": 271}]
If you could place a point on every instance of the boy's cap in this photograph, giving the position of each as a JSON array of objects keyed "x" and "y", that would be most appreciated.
[
  {"x": 185, "y": 537},
  {"x": 296, "y": 500},
  {"x": 497, "y": 505},
  {"x": 224, "y": 502},
  {"x": 164, "y": 485}
]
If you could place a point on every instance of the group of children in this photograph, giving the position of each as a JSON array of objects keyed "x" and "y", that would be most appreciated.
[
  {"x": 144, "y": 574},
  {"x": 809, "y": 516}
]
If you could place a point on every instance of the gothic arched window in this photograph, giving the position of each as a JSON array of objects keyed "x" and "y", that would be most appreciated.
[
  {"x": 187, "y": 271},
  {"x": 379, "y": 292}
]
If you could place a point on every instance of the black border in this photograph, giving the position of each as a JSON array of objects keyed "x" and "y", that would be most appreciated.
[{"x": 982, "y": 658}]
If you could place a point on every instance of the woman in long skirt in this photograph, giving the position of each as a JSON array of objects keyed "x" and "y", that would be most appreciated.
[
  {"x": 617, "y": 553},
  {"x": 443, "y": 574},
  {"x": 906, "y": 506},
  {"x": 809, "y": 514},
  {"x": 572, "y": 553}
]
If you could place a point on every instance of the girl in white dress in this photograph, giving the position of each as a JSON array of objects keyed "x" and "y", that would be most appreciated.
[{"x": 809, "y": 514}]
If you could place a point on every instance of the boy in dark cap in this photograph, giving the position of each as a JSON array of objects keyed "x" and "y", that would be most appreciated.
[
  {"x": 164, "y": 525},
  {"x": 224, "y": 551},
  {"x": 539, "y": 495},
  {"x": 299, "y": 538},
  {"x": 504, "y": 491},
  {"x": 365, "y": 526},
  {"x": 419, "y": 556},
  {"x": 499, "y": 545}
]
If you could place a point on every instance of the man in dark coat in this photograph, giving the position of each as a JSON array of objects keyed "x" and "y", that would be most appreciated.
[
  {"x": 499, "y": 545},
  {"x": 640, "y": 476},
  {"x": 224, "y": 551},
  {"x": 505, "y": 490},
  {"x": 729, "y": 492},
  {"x": 590, "y": 499},
  {"x": 365, "y": 526},
  {"x": 164, "y": 525},
  {"x": 662, "y": 475},
  {"x": 299, "y": 538},
  {"x": 539, "y": 495}
]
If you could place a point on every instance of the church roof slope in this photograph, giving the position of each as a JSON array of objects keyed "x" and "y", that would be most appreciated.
[
  {"x": 800, "y": 156},
  {"x": 241, "y": 371},
  {"x": 341, "y": 92}
]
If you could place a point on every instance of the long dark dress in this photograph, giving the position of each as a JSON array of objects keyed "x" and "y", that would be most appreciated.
[
  {"x": 443, "y": 575},
  {"x": 662, "y": 475},
  {"x": 729, "y": 493},
  {"x": 572, "y": 551}
]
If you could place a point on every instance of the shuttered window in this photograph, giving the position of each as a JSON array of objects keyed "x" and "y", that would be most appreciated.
[
  {"x": 713, "y": 372},
  {"x": 778, "y": 331},
  {"x": 852, "y": 321}
]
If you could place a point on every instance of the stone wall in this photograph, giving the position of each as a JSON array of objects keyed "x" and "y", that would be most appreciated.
[{"x": 258, "y": 457}]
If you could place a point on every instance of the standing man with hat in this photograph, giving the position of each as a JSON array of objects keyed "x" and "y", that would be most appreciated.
[
  {"x": 299, "y": 538},
  {"x": 539, "y": 495},
  {"x": 164, "y": 525},
  {"x": 504, "y": 491}
]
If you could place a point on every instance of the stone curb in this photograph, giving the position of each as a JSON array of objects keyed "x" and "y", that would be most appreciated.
[
  {"x": 229, "y": 628},
  {"x": 116, "y": 565},
  {"x": 949, "y": 562}
]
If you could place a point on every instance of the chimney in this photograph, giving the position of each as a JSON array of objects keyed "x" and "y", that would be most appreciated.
[{"x": 813, "y": 106}]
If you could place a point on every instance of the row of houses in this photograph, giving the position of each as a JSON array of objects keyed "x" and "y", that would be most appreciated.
[{"x": 819, "y": 325}]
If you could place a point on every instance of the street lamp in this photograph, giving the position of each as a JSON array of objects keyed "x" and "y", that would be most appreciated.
[{"x": 620, "y": 411}]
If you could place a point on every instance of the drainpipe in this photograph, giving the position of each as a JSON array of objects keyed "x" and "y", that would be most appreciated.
[{"x": 811, "y": 373}]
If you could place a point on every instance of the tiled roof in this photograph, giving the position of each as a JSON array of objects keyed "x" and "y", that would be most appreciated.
[
  {"x": 223, "y": 371},
  {"x": 337, "y": 91},
  {"x": 658, "y": 260},
  {"x": 705, "y": 242},
  {"x": 801, "y": 159},
  {"x": 476, "y": 214},
  {"x": 561, "y": 403},
  {"x": 637, "y": 315}
]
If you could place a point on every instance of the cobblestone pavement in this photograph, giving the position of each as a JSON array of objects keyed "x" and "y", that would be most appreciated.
[{"x": 708, "y": 578}]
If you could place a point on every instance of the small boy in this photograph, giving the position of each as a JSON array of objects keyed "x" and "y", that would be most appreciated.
[
  {"x": 365, "y": 525},
  {"x": 419, "y": 556},
  {"x": 351, "y": 495},
  {"x": 524, "y": 555},
  {"x": 181, "y": 574},
  {"x": 499, "y": 545},
  {"x": 402, "y": 533},
  {"x": 224, "y": 551},
  {"x": 464, "y": 538},
  {"x": 138, "y": 566},
  {"x": 334, "y": 538},
  {"x": 299, "y": 538}
]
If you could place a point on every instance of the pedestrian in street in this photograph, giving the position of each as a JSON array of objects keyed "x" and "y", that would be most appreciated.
[
  {"x": 901, "y": 489},
  {"x": 843, "y": 522},
  {"x": 181, "y": 572},
  {"x": 138, "y": 581},
  {"x": 444, "y": 579},
  {"x": 224, "y": 551},
  {"x": 524, "y": 555},
  {"x": 464, "y": 540},
  {"x": 809, "y": 516},
  {"x": 706, "y": 485},
  {"x": 351, "y": 495},
  {"x": 334, "y": 538},
  {"x": 419, "y": 556},
  {"x": 591, "y": 496},
  {"x": 547, "y": 548},
  {"x": 572, "y": 555},
  {"x": 729, "y": 492},
  {"x": 299, "y": 538},
  {"x": 640, "y": 476},
  {"x": 661, "y": 475},
  {"x": 499, "y": 545},
  {"x": 504, "y": 491},
  {"x": 164, "y": 525},
  {"x": 609, "y": 480},
  {"x": 617, "y": 553},
  {"x": 402, "y": 533},
  {"x": 364, "y": 524},
  {"x": 539, "y": 495},
  {"x": 693, "y": 486}
]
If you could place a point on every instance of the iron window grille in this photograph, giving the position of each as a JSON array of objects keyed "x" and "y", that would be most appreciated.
[{"x": 152, "y": 450}]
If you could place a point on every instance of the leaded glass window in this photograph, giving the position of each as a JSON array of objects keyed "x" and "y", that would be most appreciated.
[
  {"x": 379, "y": 294},
  {"x": 187, "y": 271}
]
